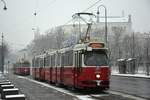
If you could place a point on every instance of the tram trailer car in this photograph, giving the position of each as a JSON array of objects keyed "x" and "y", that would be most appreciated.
[
  {"x": 22, "y": 68},
  {"x": 38, "y": 69},
  {"x": 83, "y": 66}
]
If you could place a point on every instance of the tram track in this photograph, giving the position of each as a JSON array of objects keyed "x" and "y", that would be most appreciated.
[{"x": 78, "y": 95}]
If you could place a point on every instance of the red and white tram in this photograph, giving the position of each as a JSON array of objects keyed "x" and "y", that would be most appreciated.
[
  {"x": 38, "y": 67},
  {"x": 82, "y": 66}
]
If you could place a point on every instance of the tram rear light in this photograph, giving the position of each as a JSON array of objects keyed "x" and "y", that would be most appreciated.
[{"x": 98, "y": 76}]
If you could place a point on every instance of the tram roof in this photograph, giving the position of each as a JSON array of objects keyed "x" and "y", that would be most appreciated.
[
  {"x": 65, "y": 49},
  {"x": 77, "y": 47}
]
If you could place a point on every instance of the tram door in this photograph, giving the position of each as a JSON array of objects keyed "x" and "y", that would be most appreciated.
[{"x": 78, "y": 66}]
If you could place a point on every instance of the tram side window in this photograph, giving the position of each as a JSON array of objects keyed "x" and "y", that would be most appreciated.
[
  {"x": 78, "y": 59},
  {"x": 58, "y": 59},
  {"x": 65, "y": 59},
  {"x": 47, "y": 61},
  {"x": 44, "y": 62},
  {"x": 53, "y": 60},
  {"x": 68, "y": 58},
  {"x": 33, "y": 62},
  {"x": 18, "y": 64},
  {"x": 71, "y": 58},
  {"x": 41, "y": 62},
  {"x": 37, "y": 63},
  {"x": 62, "y": 60}
]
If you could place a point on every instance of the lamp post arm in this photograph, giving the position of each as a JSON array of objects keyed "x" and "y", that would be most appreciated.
[{"x": 5, "y": 8}]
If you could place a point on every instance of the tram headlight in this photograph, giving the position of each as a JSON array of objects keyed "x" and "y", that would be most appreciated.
[{"x": 98, "y": 76}]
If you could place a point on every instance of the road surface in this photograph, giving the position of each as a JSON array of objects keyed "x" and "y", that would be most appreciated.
[{"x": 131, "y": 85}]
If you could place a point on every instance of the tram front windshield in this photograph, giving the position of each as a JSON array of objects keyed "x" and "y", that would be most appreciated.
[{"x": 95, "y": 58}]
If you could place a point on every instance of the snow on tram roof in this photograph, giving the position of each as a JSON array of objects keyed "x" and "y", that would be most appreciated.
[
  {"x": 40, "y": 56},
  {"x": 80, "y": 47},
  {"x": 65, "y": 49}
]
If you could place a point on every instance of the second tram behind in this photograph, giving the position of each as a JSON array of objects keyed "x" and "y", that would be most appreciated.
[{"x": 22, "y": 68}]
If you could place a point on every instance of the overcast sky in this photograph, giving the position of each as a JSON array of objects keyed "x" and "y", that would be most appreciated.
[{"x": 17, "y": 22}]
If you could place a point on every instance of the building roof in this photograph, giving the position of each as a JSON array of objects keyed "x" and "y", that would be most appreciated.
[{"x": 115, "y": 19}]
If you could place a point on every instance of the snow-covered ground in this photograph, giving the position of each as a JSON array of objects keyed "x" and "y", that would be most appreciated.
[
  {"x": 140, "y": 73},
  {"x": 79, "y": 97},
  {"x": 82, "y": 96}
]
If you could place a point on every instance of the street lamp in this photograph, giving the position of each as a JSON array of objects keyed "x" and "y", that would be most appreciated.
[
  {"x": 2, "y": 54},
  {"x": 5, "y": 8},
  {"x": 147, "y": 38},
  {"x": 105, "y": 19}
]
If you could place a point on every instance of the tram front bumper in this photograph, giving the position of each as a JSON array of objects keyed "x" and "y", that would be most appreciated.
[{"x": 98, "y": 82}]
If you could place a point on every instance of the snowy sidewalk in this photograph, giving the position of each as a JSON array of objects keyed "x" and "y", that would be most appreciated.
[
  {"x": 139, "y": 74},
  {"x": 132, "y": 75}
]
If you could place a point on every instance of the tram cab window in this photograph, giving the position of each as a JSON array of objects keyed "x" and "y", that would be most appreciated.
[{"x": 95, "y": 58}]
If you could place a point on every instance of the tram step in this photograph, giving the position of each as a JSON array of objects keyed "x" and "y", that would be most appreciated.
[
  {"x": 6, "y": 87},
  {"x": 11, "y": 91},
  {"x": 15, "y": 97},
  {"x": 1, "y": 81},
  {"x": 5, "y": 83}
]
